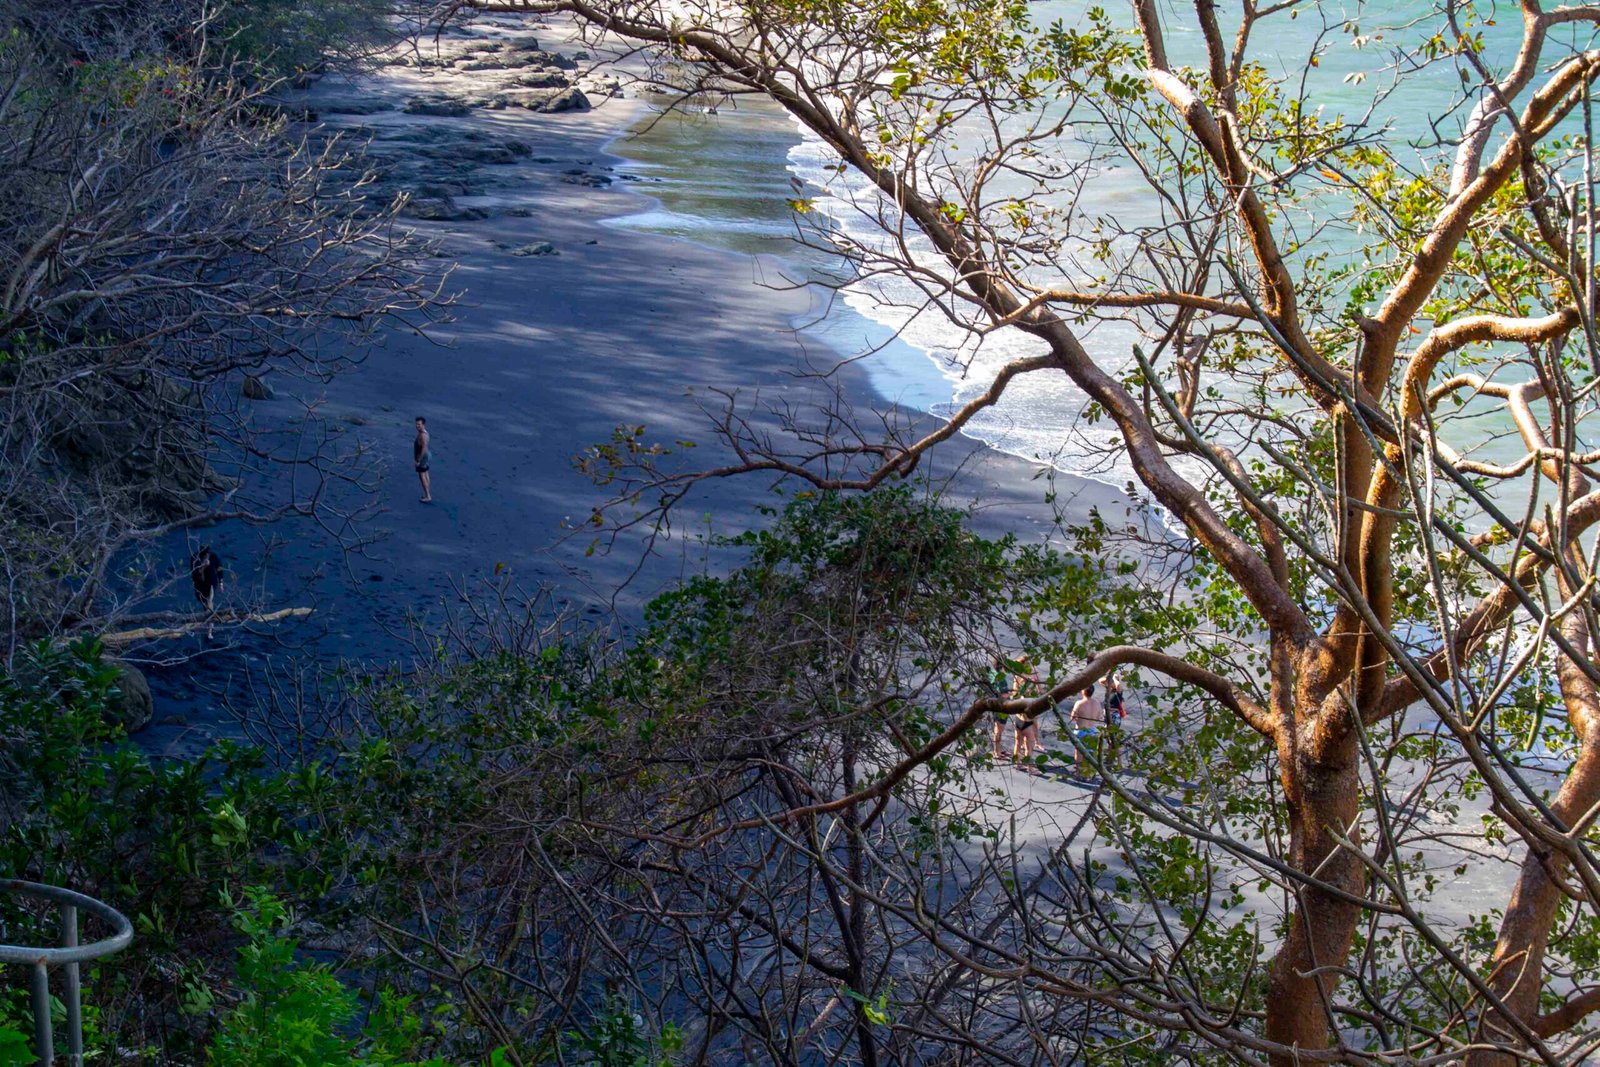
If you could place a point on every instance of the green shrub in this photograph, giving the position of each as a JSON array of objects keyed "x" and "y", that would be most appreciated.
[
  {"x": 287, "y": 37},
  {"x": 298, "y": 1014}
]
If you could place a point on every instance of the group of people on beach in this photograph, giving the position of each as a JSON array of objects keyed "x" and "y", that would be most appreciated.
[{"x": 1091, "y": 717}]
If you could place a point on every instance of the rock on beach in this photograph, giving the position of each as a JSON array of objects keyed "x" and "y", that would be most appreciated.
[{"x": 441, "y": 105}]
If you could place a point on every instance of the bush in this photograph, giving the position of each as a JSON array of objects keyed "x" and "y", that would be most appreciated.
[
  {"x": 289, "y": 37},
  {"x": 297, "y": 1014}
]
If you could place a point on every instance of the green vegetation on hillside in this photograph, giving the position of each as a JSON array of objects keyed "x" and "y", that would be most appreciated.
[{"x": 480, "y": 855}]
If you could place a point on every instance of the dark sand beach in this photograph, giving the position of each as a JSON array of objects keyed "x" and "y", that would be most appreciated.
[{"x": 546, "y": 355}]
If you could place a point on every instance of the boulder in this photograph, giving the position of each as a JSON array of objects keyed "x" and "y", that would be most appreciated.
[
  {"x": 601, "y": 87},
  {"x": 566, "y": 100},
  {"x": 444, "y": 211},
  {"x": 436, "y": 105},
  {"x": 532, "y": 99},
  {"x": 354, "y": 105},
  {"x": 522, "y": 44},
  {"x": 548, "y": 78},
  {"x": 482, "y": 64},
  {"x": 537, "y": 248},
  {"x": 579, "y": 176},
  {"x": 485, "y": 153},
  {"x": 130, "y": 705},
  {"x": 550, "y": 59},
  {"x": 255, "y": 387}
]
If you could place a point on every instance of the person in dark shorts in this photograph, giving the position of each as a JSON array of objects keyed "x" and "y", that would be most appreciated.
[
  {"x": 422, "y": 459},
  {"x": 1116, "y": 710}
]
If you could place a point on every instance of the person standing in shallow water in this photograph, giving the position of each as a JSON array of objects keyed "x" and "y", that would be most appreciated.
[
  {"x": 422, "y": 458},
  {"x": 1115, "y": 711}
]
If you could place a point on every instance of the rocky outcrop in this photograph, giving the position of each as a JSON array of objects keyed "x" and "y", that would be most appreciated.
[
  {"x": 445, "y": 210},
  {"x": 566, "y": 100},
  {"x": 438, "y": 166},
  {"x": 542, "y": 79},
  {"x": 436, "y": 104},
  {"x": 130, "y": 705}
]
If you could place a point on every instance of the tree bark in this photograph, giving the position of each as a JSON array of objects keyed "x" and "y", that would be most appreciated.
[
  {"x": 1323, "y": 796},
  {"x": 1516, "y": 972}
]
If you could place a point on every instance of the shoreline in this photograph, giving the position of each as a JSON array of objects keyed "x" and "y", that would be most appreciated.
[
  {"x": 901, "y": 372},
  {"x": 549, "y": 353}
]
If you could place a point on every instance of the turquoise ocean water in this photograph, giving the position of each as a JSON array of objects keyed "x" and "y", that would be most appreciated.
[{"x": 725, "y": 180}]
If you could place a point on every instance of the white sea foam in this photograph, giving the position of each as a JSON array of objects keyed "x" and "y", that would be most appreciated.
[{"x": 1042, "y": 416}]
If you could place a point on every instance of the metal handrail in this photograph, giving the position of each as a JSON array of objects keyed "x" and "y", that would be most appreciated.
[{"x": 69, "y": 955}]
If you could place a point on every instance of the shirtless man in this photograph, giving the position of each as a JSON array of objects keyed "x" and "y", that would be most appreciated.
[
  {"x": 1088, "y": 719},
  {"x": 422, "y": 458}
]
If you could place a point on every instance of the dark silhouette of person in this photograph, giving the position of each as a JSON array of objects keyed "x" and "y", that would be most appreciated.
[{"x": 205, "y": 570}]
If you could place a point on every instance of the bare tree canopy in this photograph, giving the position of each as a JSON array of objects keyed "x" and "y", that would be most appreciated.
[
  {"x": 1363, "y": 386},
  {"x": 163, "y": 233}
]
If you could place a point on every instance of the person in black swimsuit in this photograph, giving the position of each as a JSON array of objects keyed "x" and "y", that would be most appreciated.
[
  {"x": 1026, "y": 685},
  {"x": 422, "y": 458},
  {"x": 205, "y": 571}
]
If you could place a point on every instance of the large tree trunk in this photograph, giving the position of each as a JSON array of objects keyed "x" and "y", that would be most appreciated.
[
  {"x": 1322, "y": 787},
  {"x": 1516, "y": 971},
  {"x": 1517, "y": 968}
]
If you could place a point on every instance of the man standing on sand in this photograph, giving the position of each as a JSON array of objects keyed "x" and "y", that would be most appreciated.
[
  {"x": 422, "y": 458},
  {"x": 1088, "y": 719}
]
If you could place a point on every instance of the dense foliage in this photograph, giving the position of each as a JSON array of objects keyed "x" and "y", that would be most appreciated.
[
  {"x": 490, "y": 853},
  {"x": 1321, "y": 282}
]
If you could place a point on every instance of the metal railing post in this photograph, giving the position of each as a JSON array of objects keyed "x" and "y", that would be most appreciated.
[
  {"x": 42, "y": 1038},
  {"x": 67, "y": 957},
  {"x": 73, "y": 995}
]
